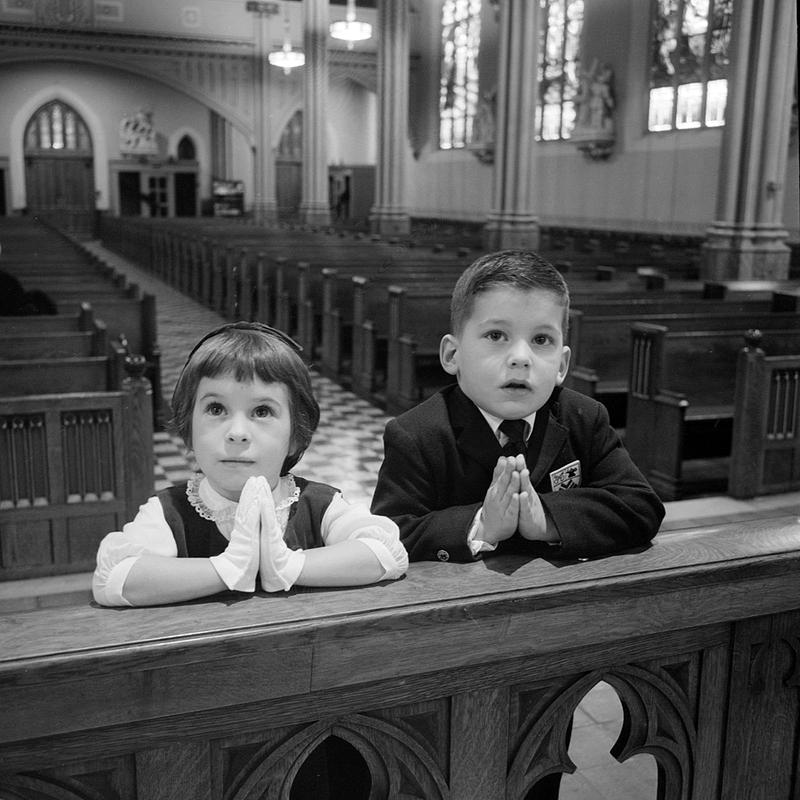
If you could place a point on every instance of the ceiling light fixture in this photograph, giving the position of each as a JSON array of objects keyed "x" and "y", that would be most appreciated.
[
  {"x": 286, "y": 58},
  {"x": 350, "y": 29}
]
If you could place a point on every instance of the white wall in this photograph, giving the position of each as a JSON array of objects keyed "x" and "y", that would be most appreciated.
[{"x": 102, "y": 98}]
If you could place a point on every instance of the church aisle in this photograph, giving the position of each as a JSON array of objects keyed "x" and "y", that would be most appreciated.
[{"x": 347, "y": 448}]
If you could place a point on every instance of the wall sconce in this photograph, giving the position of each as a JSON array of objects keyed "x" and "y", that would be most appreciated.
[{"x": 350, "y": 29}]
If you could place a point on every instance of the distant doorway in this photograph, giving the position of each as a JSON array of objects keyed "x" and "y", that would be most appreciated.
[{"x": 59, "y": 168}]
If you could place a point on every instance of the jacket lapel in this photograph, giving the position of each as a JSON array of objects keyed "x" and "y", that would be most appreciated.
[
  {"x": 555, "y": 435},
  {"x": 554, "y": 438},
  {"x": 473, "y": 435}
]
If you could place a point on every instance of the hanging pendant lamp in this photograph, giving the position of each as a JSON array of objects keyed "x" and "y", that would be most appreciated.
[
  {"x": 350, "y": 29},
  {"x": 286, "y": 58}
]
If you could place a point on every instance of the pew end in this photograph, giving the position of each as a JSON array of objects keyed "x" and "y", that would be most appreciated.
[{"x": 93, "y": 458}]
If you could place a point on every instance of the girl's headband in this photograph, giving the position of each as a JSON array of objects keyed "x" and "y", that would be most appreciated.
[{"x": 248, "y": 326}]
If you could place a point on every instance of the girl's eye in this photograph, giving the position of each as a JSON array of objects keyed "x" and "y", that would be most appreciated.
[
  {"x": 262, "y": 411},
  {"x": 215, "y": 409}
]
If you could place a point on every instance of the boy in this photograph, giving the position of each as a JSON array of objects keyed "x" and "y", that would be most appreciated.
[{"x": 507, "y": 458}]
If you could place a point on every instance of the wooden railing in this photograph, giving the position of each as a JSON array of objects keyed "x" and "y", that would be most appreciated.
[{"x": 457, "y": 682}]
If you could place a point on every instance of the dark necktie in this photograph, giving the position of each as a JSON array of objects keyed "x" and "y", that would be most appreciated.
[{"x": 515, "y": 430}]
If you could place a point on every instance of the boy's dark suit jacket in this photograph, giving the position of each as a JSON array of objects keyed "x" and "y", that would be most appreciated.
[{"x": 438, "y": 464}]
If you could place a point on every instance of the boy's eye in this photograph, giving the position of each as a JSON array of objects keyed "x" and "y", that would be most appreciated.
[
  {"x": 542, "y": 339},
  {"x": 495, "y": 336}
]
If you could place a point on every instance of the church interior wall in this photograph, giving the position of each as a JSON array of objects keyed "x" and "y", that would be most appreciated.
[
  {"x": 664, "y": 182},
  {"x": 105, "y": 94},
  {"x": 351, "y": 112}
]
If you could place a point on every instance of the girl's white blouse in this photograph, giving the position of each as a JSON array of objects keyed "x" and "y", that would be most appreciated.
[{"x": 149, "y": 534}]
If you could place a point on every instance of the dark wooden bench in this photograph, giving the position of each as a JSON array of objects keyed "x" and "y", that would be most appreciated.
[
  {"x": 49, "y": 344},
  {"x": 75, "y": 466},
  {"x": 765, "y": 447},
  {"x": 681, "y": 403},
  {"x": 764, "y": 288},
  {"x": 61, "y": 265},
  {"x": 354, "y": 295},
  {"x": 600, "y": 345},
  {"x": 24, "y": 376}
]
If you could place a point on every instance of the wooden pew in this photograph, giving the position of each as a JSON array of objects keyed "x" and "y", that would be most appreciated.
[
  {"x": 765, "y": 288},
  {"x": 33, "y": 344},
  {"x": 350, "y": 297},
  {"x": 765, "y": 446},
  {"x": 600, "y": 344},
  {"x": 54, "y": 375},
  {"x": 681, "y": 403},
  {"x": 311, "y": 295},
  {"x": 695, "y": 634},
  {"x": 75, "y": 466},
  {"x": 127, "y": 312},
  {"x": 415, "y": 329}
]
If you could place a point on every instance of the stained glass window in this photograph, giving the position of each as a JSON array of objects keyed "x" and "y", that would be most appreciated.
[
  {"x": 559, "y": 59},
  {"x": 56, "y": 126},
  {"x": 689, "y": 63},
  {"x": 458, "y": 86}
]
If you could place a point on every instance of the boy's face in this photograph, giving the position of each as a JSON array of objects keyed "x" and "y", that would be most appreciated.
[{"x": 510, "y": 354}]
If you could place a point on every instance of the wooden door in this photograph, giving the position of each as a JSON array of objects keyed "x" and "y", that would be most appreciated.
[{"x": 59, "y": 169}]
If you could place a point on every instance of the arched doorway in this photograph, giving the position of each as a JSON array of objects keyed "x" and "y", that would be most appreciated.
[
  {"x": 289, "y": 167},
  {"x": 186, "y": 178},
  {"x": 59, "y": 168}
]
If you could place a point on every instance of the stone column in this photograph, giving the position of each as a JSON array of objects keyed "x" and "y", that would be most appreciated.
[
  {"x": 511, "y": 222},
  {"x": 747, "y": 240},
  {"x": 389, "y": 215},
  {"x": 315, "y": 203},
  {"x": 265, "y": 207}
]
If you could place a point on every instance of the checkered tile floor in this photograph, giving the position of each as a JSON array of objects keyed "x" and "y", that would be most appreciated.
[{"x": 347, "y": 448}]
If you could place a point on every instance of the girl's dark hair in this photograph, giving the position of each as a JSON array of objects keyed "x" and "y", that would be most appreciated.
[
  {"x": 521, "y": 269},
  {"x": 246, "y": 351}
]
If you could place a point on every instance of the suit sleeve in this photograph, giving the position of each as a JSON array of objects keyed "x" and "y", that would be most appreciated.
[
  {"x": 614, "y": 508},
  {"x": 409, "y": 492}
]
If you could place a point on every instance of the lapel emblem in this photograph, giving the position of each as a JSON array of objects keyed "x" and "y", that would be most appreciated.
[{"x": 567, "y": 477}]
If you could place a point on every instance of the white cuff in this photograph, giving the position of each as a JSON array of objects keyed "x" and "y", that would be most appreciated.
[
  {"x": 477, "y": 545},
  {"x": 231, "y": 575},
  {"x": 395, "y": 564},
  {"x": 284, "y": 578}
]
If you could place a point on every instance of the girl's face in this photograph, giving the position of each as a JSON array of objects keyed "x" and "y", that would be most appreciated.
[{"x": 240, "y": 430}]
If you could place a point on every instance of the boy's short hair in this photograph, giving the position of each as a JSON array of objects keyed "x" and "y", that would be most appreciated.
[
  {"x": 520, "y": 269},
  {"x": 246, "y": 351}
]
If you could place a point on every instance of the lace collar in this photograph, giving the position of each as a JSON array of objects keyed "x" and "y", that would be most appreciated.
[{"x": 210, "y": 504}]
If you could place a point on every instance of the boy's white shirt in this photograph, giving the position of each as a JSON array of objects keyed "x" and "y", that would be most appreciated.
[
  {"x": 149, "y": 534},
  {"x": 476, "y": 544}
]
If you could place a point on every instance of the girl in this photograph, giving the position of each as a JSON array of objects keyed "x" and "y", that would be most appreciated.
[{"x": 244, "y": 405}]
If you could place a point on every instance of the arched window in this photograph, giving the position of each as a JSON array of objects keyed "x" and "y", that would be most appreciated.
[
  {"x": 458, "y": 85},
  {"x": 689, "y": 63},
  {"x": 559, "y": 81},
  {"x": 186, "y": 149},
  {"x": 290, "y": 147},
  {"x": 57, "y": 128}
]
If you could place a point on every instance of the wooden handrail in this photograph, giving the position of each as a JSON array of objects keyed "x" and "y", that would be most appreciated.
[{"x": 698, "y": 634}]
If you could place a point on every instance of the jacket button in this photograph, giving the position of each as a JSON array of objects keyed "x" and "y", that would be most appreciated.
[{"x": 443, "y": 555}]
